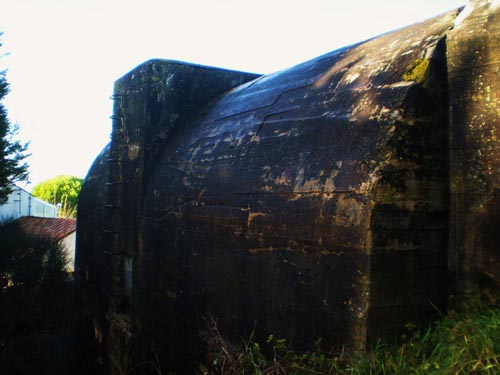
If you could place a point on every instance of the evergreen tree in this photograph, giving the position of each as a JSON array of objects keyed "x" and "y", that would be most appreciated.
[{"x": 12, "y": 152}]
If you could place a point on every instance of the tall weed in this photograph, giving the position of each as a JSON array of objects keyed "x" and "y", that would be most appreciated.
[{"x": 458, "y": 344}]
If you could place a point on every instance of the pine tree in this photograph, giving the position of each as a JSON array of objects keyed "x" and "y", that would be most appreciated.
[{"x": 13, "y": 168}]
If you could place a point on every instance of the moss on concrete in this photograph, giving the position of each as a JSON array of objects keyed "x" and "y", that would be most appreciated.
[{"x": 418, "y": 71}]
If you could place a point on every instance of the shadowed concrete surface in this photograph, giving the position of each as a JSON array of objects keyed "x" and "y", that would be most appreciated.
[{"x": 337, "y": 200}]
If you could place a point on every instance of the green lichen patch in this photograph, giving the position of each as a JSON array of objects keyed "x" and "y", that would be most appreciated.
[{"x": 418, "y": 71}]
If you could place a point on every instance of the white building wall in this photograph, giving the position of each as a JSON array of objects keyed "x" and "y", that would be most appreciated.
[
  {"x": 21, "y": 203},
  {"x": 69, "y": 243}
]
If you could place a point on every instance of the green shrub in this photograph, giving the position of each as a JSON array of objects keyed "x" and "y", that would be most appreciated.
[{"x": 36, "y": 304}]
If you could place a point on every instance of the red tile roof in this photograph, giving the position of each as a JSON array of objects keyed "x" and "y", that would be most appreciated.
[{"x": 51, "y": 228}]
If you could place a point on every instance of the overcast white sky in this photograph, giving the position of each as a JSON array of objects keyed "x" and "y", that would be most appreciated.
[{"x": 64, "y": 55}]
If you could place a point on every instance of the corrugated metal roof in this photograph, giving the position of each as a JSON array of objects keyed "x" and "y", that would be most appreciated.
[{"x": 52, "y": 228}]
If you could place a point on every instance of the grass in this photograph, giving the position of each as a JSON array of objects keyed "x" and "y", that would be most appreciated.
[
  {"x": 66, "y": 210},
  {"x": 458, "y": 344}
]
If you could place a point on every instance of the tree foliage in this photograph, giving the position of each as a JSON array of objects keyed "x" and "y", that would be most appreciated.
[
  {"x": 62, "y": 190},
  {"x": 13, "y": 168},
  {"x": 36, "y": 304}
]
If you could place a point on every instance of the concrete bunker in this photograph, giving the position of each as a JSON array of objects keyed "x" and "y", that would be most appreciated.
[{"x": 338, "y": 199}]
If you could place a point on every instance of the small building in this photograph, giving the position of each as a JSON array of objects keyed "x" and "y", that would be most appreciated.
[
  {"x": 59, "y": 230},
  {"x": 39, "y": 218},
  {"x": 22, "y": 203}
]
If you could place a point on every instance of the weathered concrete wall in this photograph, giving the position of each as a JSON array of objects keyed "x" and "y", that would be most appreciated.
[
  {"x": 474, "y": 73},
  {"x": 150, "y": 104},
  {"x": 302, "y": 205},
  {"x": 93, "y": 266},
  {"x": 332, "y": 200}
]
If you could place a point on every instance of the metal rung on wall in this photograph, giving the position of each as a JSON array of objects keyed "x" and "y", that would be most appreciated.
[
  {"x": 117, "y": 97},
  {"x": 117, "y": 117},
  {"x": 114, "y": 254},
  {"x": 110, "y": 231}
]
